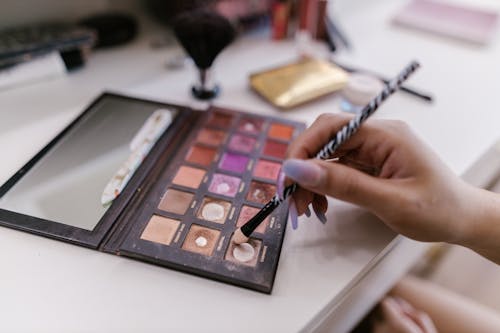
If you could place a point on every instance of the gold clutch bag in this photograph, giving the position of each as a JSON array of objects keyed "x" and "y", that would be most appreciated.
[{"x": 293, "y": 84}]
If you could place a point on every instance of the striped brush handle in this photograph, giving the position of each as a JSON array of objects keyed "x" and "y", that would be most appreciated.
[{"x": 340, "y": 137}]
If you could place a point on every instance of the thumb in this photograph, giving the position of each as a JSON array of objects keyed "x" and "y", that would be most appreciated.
[{"x": 339, "y": 181}]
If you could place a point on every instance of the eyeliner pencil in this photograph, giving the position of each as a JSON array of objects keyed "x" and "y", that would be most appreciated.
[{"x": 242, "y": 234}]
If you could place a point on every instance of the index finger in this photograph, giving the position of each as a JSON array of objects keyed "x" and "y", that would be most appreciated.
[{"x": 313, "y": 139}]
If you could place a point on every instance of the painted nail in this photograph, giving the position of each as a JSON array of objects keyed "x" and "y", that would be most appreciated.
[
  {"x": 293, "y": 215},
  {"x": 308, "y": 212},
  {"x": 280, "y": 184},
  {"x": 320, "y": 215},
  {"x": 303, "y": 172}
]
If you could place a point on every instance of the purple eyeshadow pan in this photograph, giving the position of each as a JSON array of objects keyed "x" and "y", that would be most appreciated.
[{"x": 233, "y": 162}]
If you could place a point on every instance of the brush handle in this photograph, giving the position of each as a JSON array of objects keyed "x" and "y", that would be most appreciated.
[{"x": 328, "y": 150}]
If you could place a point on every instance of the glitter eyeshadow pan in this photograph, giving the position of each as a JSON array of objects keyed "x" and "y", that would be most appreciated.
[
  {"x": 214, "y": 210},
  {"x": 247, "y": 212},
  {"x": 250, "y": 125},
  {"x": 260, "y": 192},
  {"x": 242, "y": 143},
  {"x": 201, "y": 240},
  {"x": 224, "y": 185}
]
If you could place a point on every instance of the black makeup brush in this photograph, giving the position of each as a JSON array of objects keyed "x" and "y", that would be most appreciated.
[{"x": 203, "y": 34}]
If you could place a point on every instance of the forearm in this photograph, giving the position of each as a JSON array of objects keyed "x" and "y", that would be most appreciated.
[
  {"x": 450, "y": 312},
  {"x": 483, "y": 232}
]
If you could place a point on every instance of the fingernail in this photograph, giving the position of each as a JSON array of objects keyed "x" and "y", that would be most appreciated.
[
  {"x": 308, "y": 212},
  {"x": 303, "y": 172},
  {"x": 320, "y": 215},
  {"x": 293, "y": 215},
  {"x": 280, "y": 184}
]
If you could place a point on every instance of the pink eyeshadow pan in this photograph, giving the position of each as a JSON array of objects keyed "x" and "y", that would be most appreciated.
[
  {"x": 242, "y": 143},
  {"x": 224, "y": 185},
  {"x": 250, "y": 125},
  {"x": 267, "y": 169}
]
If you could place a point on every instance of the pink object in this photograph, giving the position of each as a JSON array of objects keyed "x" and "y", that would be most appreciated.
[
  {"x": 469, "y": 24},
  {"x": 242, "y": 143},
  {"x": 224, "y": 184},
  {"x": 267, "y": 170}
]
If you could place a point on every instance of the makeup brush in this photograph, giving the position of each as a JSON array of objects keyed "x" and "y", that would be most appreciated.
[
  {"x": 203, "y": 34},
  {"x": 243, "y": 233}
]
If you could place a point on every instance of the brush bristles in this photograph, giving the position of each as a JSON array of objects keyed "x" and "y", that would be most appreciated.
[{"x": 203, "y": 34}]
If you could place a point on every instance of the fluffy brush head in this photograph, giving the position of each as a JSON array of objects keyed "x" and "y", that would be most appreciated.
[{"x": 203, "y": 34}]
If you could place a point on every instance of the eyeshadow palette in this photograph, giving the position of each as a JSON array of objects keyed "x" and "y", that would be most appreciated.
[{"x": 209, "y": 173}]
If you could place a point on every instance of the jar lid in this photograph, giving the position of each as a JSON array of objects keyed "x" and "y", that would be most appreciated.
[{"x": 361, "y": 88}]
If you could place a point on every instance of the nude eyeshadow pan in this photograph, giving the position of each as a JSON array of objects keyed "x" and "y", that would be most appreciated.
[{"x": 223, "y": 173}]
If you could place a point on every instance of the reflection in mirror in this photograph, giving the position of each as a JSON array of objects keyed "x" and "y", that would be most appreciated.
[{"x": 67, "y": 183}]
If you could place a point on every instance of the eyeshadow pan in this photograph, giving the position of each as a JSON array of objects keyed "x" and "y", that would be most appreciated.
[
  {"x": 160, "y": 230},
  {"x": 215, "y": 210},
  {"x": 281, "y": 131},
  {"x": 250, "y": 125},
  {"x": 220, "y": 120},
  {"x": 224, "y": 185},
  {"x": 243, "y": 143},
  {"x": 189, "y": 177},
  {"x": 275, "y": 149},
  {"x": 267, "y": 169},
  {"x": 211, "y": 137},
  {"x": 261, "y": 192},
  {"x": 233, "y": 162},
  {"x": 175, "y": 201},
  {"x": 201, "y": 240},
  {"x": 244, "y": 254},
  {"x": 247, "y": 213},
  {"x": 201, "y": 155}
]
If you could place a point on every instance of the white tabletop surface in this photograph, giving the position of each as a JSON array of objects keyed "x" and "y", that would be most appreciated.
[{"x": 51, "y": 286}]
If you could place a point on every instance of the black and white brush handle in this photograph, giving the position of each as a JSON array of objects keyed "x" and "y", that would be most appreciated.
[{"x": 329, "y": 149}]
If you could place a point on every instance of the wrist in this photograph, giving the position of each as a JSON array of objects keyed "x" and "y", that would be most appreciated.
[{"x": 481, "y": 222}]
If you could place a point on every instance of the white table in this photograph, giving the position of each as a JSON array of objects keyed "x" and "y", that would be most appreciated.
[{"x": 328, "y": 276}]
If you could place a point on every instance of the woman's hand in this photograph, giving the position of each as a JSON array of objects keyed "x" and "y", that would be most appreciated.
[{"x": 385, "y": 168}]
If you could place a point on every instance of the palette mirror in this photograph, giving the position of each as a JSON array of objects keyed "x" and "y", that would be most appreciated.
[{"x": 66, "y": 183}]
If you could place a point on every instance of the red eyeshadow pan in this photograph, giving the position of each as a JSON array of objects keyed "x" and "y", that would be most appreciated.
[{"x": 275, "y": 149}]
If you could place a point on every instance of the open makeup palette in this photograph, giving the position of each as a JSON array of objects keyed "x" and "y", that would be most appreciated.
[{"x": 202, "y": 176}]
